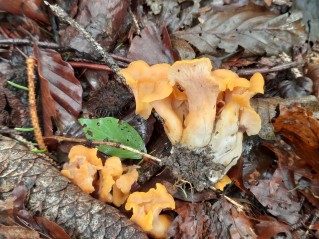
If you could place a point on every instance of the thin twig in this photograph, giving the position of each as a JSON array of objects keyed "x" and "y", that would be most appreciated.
[
  {"x": 62, "y": 15},
  {"x": 284, "y": 66},
  {"x": 96, "y": 142},
  {"x": 51, "y": 45},
  {"x": 90, "y": 66},
  {"x": 32, "y": 104}
]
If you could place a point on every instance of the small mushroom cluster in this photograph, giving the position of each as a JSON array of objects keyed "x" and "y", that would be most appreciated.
[
  {"x": 114, "y": 182},
  {"x": 203, "y": 110}
]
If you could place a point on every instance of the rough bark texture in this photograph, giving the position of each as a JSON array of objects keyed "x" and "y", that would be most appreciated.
[{"x": 59, "y": 200}]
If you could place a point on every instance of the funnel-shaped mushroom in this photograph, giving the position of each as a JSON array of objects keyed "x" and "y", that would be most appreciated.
[
  {"x": 205, "y": 113},
  {"x": 147, "y": 208},
  {"x": 194, "y": 76}
]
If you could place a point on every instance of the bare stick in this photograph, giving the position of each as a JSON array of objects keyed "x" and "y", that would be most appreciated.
[
  {"x": 62, "y": 15},
  {"x": 112, "y": 144},
  {"x": 281, "y": 67}
]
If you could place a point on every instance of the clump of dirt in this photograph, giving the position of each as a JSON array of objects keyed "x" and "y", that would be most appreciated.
[{"x": 194, "y": 166}]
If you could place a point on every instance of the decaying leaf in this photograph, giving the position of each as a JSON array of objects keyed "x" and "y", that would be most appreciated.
[
  {"x": 150, "y": 39},
  {"x": 252, "y": 28},
  {"x": 61, "y": 92},
  {"x": 277, "y": 198},
  {"x": 105, "y": 20},
  {"x": 226, "y": 222},
  {"x": 269, "y": 227},
  {"x": 175, "y": 14},
  {"x": 205, "y": 220}
]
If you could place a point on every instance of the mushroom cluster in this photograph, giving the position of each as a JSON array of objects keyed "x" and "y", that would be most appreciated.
[
  {"x": 113, "y": 180},
  {"x": 204, "y": 111}
]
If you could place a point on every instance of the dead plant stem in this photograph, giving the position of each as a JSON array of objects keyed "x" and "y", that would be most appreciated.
[{"x": 33, "y": 105}]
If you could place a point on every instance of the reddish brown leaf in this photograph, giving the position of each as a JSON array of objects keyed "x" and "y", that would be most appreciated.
[
  {"x": 269, "y": 227},
  {"x": 54, "y": 230},
  {"x": 61, "y": 92},
  {"x": 31, "y": 9},
  {"x": 300, "y": 130},
  {"x": 151, "y": 39},
  {"x": 279, "y": 201}
]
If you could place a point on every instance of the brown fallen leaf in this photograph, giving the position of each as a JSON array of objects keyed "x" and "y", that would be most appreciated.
[
  {"x": 61, "y": 92},
  {"x": 151, "y": 38},
  {"x": 299, "y": 129},
  {"x": 32, "y": 9},
  {"x": 269, "y": 227},
  {"x": 189, "y": 224},
  {"x": 256, "y": 30},
  {"x": 277, "y": 198}
]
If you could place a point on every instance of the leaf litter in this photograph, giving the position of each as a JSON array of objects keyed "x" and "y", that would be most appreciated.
[{"x": 275, "y": 191}]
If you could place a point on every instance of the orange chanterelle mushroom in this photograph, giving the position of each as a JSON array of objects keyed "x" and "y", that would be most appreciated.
[
  {"x": 200, "y": 108},
  {"x": 147, "y": 208}
]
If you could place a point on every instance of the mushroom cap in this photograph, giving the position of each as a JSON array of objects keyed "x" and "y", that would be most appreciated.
[
  {"x": 194, "y": 76},
  {"x": 82, "y": 167},
  {"x": 110, "y": 172},
  {"x": 148, "y": 83},
  {"x": 147, "y": 206}
]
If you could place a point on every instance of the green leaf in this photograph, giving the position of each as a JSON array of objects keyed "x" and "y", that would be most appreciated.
[{"x": 111, "y": 129}]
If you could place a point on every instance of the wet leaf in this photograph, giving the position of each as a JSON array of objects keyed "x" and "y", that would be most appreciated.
[
  {"x": 61, "y": 92},
  {"x": 111, "y": 129},
  {"x": 252, "y": 28}
]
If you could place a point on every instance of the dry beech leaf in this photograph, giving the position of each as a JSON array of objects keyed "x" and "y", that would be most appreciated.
[
  {"x": 151, "y": 39},
  {"x": 256, "y": 30},
  {"x": 61, "y": 92}
]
